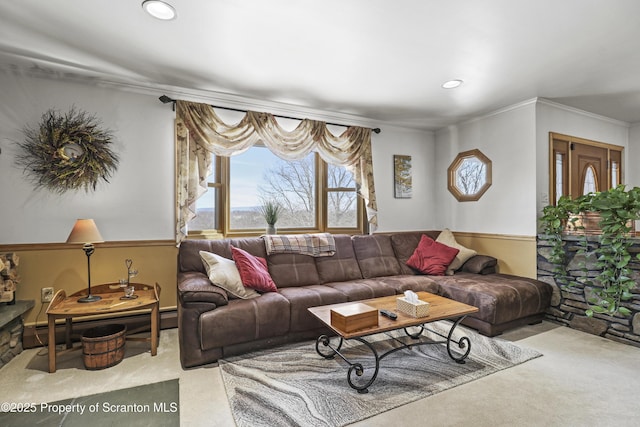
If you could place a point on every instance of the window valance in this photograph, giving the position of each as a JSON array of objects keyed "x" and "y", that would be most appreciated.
[{"x": 200, "y": 133}]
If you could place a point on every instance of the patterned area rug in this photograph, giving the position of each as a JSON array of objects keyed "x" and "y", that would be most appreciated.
[{"x": 294, "y": 386}]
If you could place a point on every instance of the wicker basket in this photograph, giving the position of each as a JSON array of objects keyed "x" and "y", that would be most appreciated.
[
  {"x": 421, "y": 309},
  {"x": 103, "y": 346}
]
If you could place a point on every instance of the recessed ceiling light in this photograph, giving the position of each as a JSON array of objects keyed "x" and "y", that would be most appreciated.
[
  {"x": 159, "y": 9},
  {"x": 451, "y": 84}
]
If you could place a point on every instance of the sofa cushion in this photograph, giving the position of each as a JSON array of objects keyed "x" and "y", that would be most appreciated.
[
  {"x": 195, "y": 287},
  {"x": 224, "y": 273},
  {"x": 356, "y": 290},
  {"x": 431, "y": 257},
  {"x": 500, "y": 298},
  {"x": 293, "y": 270},
  {"x": 244, "y": 320},
  {"x": 480, "y": 264},
  {"x": 405, "y": 243},
  {"x": 189, "y": 253},
  {"x": 375, "y": 255},
  {"x": 413, "y": 282},
  {"x": 446, "y": 237},
  {"x": 253, "y": 271},
  {"x": 342, "y": 266},
  {"x": 301, "y": 298}
]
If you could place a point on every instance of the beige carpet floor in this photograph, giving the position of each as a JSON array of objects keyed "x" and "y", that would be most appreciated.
[{"x": 582, "y": 380}]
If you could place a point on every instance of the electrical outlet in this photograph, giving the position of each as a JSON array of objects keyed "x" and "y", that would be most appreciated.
[{"x": 46, "y": 294}]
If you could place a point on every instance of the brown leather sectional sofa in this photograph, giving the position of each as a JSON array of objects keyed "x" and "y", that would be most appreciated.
[{"x": 212, "y": 325}]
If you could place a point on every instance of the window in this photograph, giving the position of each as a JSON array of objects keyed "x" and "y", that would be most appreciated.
[
  {"x": 342, "y": 199},
  {"x": 257, "y": 176},
  {"x": 469, "y": 175},
  {"x": 207, "y": 217},
  {"x": 314, "y": 196}
]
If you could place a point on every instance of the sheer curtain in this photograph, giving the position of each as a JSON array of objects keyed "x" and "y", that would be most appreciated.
[{"x": 200, "y": 133}]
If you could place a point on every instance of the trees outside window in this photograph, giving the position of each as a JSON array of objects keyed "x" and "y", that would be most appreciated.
[
  {"x": 314, "y": 196},
  {"x": 291, "y": 184},
  {"x": 469, "y": 175}
]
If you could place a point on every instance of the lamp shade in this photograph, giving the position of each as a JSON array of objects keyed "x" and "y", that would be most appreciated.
[{"x": 85, "y": 231}]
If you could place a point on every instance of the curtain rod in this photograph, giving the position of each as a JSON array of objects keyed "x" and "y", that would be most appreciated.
[{"x": 165, "y": 100}]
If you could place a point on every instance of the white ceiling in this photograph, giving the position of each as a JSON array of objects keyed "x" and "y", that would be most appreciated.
[{"x": 379, "y": 61}]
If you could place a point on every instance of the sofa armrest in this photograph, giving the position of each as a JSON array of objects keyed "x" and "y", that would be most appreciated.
[
  {"x": 480, "y": 264},
  {"x": 195, "y": 287}
]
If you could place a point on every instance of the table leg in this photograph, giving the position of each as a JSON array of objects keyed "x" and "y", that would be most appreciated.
[
  {"x": 67, "y": 332},
  {"x": 155, "y": 320},
  {"x": 52, "y": 344}
]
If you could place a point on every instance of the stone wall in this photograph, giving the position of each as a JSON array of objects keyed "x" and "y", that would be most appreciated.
[
  {"x": 10, "y": 340},
  {"x": 569, "y": 303},
  {"x": 11, "y": 329}
]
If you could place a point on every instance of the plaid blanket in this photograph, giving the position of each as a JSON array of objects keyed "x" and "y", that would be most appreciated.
[{"x": 315, "y": 245}]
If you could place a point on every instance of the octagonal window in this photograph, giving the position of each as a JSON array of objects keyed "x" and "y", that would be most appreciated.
[{"x": 469, "y": 175}]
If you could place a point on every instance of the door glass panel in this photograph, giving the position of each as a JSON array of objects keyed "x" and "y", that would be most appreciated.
[
  {"x": 589, "y": 181},
  {"x": 614, "y": 174},
  {"x": 559, "y": 175}
]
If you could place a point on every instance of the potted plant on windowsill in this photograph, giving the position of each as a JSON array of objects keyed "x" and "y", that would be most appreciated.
[
  {"x": 618, "y": 209},
  {"x": 270, "y": 210}
]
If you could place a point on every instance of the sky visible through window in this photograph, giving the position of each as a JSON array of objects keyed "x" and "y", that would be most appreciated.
[{"x": 247, "y": 171}]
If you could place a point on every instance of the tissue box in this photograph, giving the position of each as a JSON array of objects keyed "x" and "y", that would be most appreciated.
[
  {"x": 353, "y": 317},
  {"x": 421, "y": 309}
]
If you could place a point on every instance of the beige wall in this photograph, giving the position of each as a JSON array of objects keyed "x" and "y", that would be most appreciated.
[
  {"x": 61, "y": 267},
  {"x": 516, "y": 254}
]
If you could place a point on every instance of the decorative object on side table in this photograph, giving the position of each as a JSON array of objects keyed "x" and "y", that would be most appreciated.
[
  {"x": 86, "y": 232},
  {"x": 67, "y": 152},
  {"x": 9, "y": 277},
  {"x": 126, "y": 285}
]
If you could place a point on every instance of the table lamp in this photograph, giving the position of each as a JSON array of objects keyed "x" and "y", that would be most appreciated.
[{"x": 85, "y": 231}]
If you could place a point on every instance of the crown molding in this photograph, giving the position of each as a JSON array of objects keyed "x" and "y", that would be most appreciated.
[
  {"x": 547, "y": 102},
  {"x": 227, "y": 100}
]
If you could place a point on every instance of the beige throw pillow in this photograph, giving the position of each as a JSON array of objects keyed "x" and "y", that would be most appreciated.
[
  {"x": 224, "y": 273},
  {"x": 446, "y": 237}
]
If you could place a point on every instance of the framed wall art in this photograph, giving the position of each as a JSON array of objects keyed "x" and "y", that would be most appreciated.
[{"x": 402, "y": 188}]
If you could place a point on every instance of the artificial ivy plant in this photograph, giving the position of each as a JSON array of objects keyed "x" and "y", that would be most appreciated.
[
  {"x": 68, "y": 151},
  {"x": 618, "y": 209}
]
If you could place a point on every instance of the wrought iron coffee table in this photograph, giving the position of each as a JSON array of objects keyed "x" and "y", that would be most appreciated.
[{"x": 440, "y": 309}]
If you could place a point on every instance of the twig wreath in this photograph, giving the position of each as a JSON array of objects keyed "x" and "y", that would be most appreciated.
[{"x": 67, "y": 152}]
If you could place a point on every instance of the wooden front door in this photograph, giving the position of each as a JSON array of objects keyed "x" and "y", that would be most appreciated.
[
  {"x": 579, "y": 166},
  {"x": 589, "y": 169}
]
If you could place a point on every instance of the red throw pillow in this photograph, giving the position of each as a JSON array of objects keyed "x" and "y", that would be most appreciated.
[
  {"x": 253, "y": 271},
  {"x": 431, "y": 257}
]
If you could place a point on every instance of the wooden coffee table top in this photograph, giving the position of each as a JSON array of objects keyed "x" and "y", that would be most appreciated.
[{"x": 440, "y": 308}]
